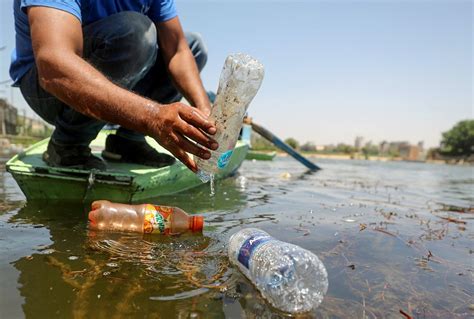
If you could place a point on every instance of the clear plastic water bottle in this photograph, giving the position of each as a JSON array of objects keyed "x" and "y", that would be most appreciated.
[
  {"x": 240, "y": 80},
  {"x": 291, "y": 278},
  {"x": 144, "y": 218}
]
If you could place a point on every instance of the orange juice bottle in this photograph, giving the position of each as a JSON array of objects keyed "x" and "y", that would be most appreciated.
[{"x": 144, "y": 218}]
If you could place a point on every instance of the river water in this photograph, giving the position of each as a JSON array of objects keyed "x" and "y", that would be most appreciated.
[{"x": 395, "y": 237}]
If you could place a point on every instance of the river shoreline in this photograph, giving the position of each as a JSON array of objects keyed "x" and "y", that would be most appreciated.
[{"x": 461, "y": 162}]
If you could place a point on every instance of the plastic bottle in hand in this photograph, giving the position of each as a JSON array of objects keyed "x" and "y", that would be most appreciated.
[
  {"x": 145, "y": 218},
  {"x": 291, "y": 278},
  {"x": 240, "y": 80}
]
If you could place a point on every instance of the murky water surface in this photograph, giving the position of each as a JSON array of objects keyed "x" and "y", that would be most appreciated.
[{"x": 393, "y": 236}]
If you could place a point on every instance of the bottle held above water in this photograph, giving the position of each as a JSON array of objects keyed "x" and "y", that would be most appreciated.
[
  {"x": 291, "y": 278},
  {"x": 145, "y": 218},
  {"x": 240, "y": 80}
]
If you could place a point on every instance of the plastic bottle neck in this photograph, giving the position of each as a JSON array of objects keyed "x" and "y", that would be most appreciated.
[{"x": 195, "y": 223}]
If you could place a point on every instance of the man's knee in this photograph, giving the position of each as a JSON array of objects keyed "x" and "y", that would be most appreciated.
[
  {"x": 123, "y": 46},
  {"x": 135, "y": 31},
  {"x": 198, "y": 48}
]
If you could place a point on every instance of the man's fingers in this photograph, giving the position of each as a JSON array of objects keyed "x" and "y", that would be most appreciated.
[
  {"x": 197, "y": 135},
  {"x": 181, "y": 155},
  {"x": 192, "y": 148},
  {"x": 194, "y": 116},
  {"x": 205, "y": 109}
]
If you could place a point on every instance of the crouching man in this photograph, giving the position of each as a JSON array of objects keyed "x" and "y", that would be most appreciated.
[{"x": 81, "y": 64}]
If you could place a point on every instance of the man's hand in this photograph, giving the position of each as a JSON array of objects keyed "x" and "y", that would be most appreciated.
[
  {"x": 204, "y": 107},
  {"x": 176, "y": 125}
]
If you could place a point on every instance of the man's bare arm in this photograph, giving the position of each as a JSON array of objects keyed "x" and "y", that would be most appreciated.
[
  {"x": 181, "y": 64},
  {"x": 57, "y": 44}
]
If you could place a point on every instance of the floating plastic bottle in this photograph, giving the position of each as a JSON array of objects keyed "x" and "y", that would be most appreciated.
[
  {"x": 291, "y": 278},
  {"x": 145, "y": 218},
  {"x": 240, "y": 80}
]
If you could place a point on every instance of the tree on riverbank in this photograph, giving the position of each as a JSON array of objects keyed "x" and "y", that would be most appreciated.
[
  {"x": 292, "y": 142},
  {"x": 459, "y": 141},
  {"x": 261, "y": 144}
]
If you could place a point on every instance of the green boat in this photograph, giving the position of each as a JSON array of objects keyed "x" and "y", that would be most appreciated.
[
  {"x": 121, "y": 182},
  {"x": 260, "y": 156}
]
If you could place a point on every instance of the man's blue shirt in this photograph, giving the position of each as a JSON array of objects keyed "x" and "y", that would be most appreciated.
[{"x": 87, "y": 11}]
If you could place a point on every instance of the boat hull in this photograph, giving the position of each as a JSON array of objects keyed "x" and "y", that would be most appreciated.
[{"x": 121, "y": 182}]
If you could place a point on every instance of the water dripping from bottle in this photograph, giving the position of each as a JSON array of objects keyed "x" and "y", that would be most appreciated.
[{"x": 212, "y": 185}]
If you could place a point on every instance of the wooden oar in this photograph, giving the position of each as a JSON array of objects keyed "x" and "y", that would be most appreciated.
[{"x": 272, "y": 138}]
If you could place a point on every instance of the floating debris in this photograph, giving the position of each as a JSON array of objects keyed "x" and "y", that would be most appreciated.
[
  {"x": 384, "y": 231},
  {"x": 73, "y": 258},
  {"x": 453, "y": 220},
  {"x": 407, "y": 316},
  {"x": 48, "y": 251},
  {"x": 301, "y": 229},
  {"x": 285, "y": 175},
  {"x": 457, "y": 209}
]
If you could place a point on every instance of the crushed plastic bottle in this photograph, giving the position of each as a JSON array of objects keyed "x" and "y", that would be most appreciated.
[
  {"x": 240, "y": 80},
  {"x": 145, "y": 218},
  {"x": 291, "y": 278}
]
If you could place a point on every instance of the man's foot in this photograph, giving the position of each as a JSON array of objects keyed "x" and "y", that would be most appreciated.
[
  {"x": 118, "y": 148},
  {"x": 72, "y": 156}
]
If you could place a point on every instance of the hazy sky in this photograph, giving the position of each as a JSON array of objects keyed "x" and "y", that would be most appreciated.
[{"x": 393, "y": 70}]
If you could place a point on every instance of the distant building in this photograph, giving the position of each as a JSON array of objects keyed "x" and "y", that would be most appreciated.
[
  {"x": 409, "y": 152},
  {"x": 31, "y": 127},
  {"x": 329, "y": 148},
  {"x": 308, "y": 147},
  {"x": 403, "y": 150},
  {"x": 311, "y": 147},
  {"x": 394, "y": 147},
  {"x": 383, "y": 148},
  {"x": 359, "y": 140},
  {"x": 421, "y": 146},
  {"x": 8, "y": 118}
]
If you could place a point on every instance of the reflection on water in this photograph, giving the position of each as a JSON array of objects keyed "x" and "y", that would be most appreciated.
[{"x": 393, "y": 236}]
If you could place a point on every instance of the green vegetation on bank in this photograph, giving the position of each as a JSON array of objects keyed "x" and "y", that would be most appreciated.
[
  {"x": 459, "y": 141},
  {"x": 261, "y": 144},
  {"x": 293, "y": 143}
]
